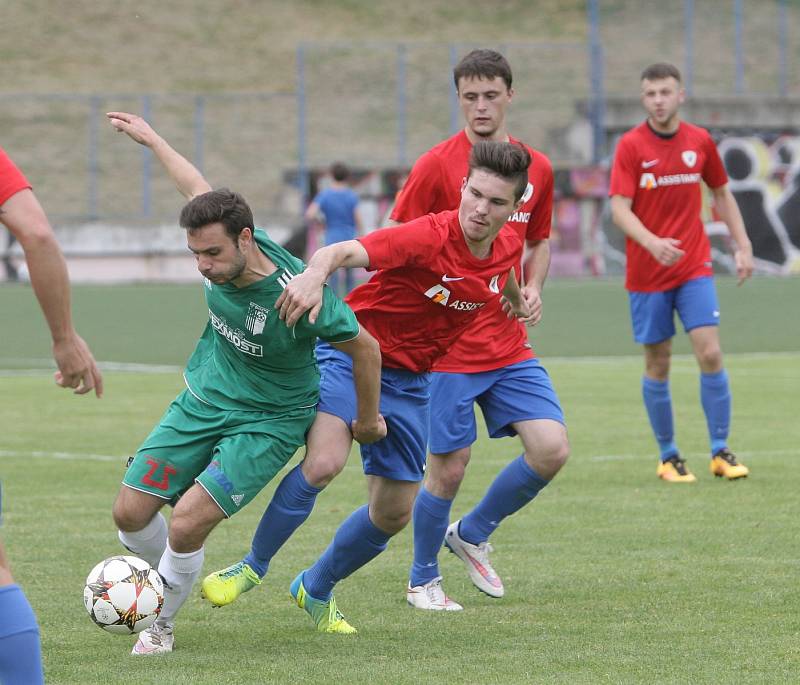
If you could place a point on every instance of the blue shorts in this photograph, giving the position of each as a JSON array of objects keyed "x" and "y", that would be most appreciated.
[
  {"x": 520, "y": 392},
  {"x": 405, "y": 404},
  {"x": 652, "y": 314}
]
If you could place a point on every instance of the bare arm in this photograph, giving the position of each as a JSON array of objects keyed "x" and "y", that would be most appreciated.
[
  {"x": 536, "y": 267},
  {"x": 664, "y": 250},
  {"x": 24, "y": 217},
  {"x": 312, "y": 212},
  {"x": 187, "y": 178},
  {"x": 514, "y": 303},
  {"x": 304, "y": 292},
  {"x": 728, "y": 210},
  {"x": 358, "y": 222},
  {"x": 369, "y": 425}
]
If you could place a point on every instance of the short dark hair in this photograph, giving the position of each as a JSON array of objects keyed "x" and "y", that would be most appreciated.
[
  {"x": 218, "y": 206},
  {"x": 340, "y": 172},
  {"x": 483, "y": 64},
  {"x": 661, "y": 70},
  {"x": 507, "y": 160}
]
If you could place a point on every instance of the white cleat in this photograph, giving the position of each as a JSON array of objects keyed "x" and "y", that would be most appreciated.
[
  {"x": 157, "y": 639},
  {"x": 476, "y": 559},
  {"x": 431, "y": 597}
]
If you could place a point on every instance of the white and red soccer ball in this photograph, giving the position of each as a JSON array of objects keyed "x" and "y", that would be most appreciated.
[{"x": 123, "y": 595}]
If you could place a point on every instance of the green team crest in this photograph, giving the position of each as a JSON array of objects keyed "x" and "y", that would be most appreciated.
[{"x": 256, "y": 318}]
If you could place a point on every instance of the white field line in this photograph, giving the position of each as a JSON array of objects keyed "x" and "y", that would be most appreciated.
[
  {"x": 626, "y": 358},
  {"x": 61, "y": 456},
  {"x": 39, "y": 367}
]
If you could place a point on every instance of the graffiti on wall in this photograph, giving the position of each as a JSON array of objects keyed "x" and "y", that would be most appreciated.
[{"x": 765, "y": 180}]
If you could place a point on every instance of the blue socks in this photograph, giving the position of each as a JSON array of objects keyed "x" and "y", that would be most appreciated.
[
  {"x": 356, "y": 542},
  {"x": 20, "y": 649},
  {"x": 290, "y": 506},
  {"x": 515, "y": 486},
  {"x": 658, "y": 403},
  {"x": 715, "y": 396},
  {"x": 431, "y": 518}
]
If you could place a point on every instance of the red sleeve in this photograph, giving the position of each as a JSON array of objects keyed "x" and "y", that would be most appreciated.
[
  {"x": 12, "y": 180},
  {"x": 623, "y": 171},
  {"x": 420, "y": 194},
  {"x": 412, "y": 244},
  {"x": 542, "y": 214},
  {"x": 714, "y": 173}
]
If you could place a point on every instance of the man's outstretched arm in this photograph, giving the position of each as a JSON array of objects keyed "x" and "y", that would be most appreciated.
[{"x": 184, "y": 174}]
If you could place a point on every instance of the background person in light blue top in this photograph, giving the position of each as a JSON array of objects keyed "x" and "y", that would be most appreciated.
[{"x": 337, "y": 207}]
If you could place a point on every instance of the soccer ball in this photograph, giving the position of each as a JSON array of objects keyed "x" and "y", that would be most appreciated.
[{"x": 123, "y": 595}]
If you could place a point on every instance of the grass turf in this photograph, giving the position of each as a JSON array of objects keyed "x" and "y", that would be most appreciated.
[{"x": 612, "y": 576}]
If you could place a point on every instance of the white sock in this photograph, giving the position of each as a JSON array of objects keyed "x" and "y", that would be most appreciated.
[
  {"x": 179, "y": 571},
  {"x": 148, "y": 543}
]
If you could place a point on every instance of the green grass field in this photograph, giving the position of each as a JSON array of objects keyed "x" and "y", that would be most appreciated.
[{"x": 611, "y": 575}]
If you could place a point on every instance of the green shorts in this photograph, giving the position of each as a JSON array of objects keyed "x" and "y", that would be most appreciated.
[{"x": 230, "y": 454}]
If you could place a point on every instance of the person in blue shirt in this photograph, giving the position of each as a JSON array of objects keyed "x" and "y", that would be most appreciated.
[{"x": 337, "y": 207}]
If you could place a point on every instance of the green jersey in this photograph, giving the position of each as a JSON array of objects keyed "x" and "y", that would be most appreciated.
[{"x": 247, "y": 358}]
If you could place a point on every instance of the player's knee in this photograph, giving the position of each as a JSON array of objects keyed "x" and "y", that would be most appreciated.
[
  {"x": 710, "y": 358},
  {"x": 391, "y": 521},
  {"x": 186, "y": 533},
  {"x": 319, "y": 470},
  {"x": 134, "y": 509},
  {"x": 550, "y": 456},
  {"x": 127, "y": 517},
  {"x": 443, "y": 477},
  {"x": 657, "y": 368}
]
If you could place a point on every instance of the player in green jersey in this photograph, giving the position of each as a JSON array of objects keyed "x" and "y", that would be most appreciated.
[{"x": 252, "y": 386}]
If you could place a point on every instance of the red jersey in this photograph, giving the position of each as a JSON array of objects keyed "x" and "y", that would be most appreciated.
[
  {"x": 12, "y": 179},
  {"x": 434, "y": 185},
  {"x": 429, "y": 288},
  {"x": 662, "y": 176}
]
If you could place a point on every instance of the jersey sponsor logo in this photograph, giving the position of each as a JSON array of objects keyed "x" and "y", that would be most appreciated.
[
  {"x": 256, "y": 318},
  {"x": 235, "y": 337},
  {"x": 237, "y": 499},
  {"x": 649, "y": 181},
  {"x": 523, "y": 217},
  {"x": 447, "y": 278},
  {"x": 438, "y": 294},
  {"x": 689, "y": 158},
  {"x": 528, "y": 194},
  {"x": 441, "y": 295},
  {"x": 651, "y": 163},
  {"x": 493, "y": 285},
  {"x": 462, "y": 306}
]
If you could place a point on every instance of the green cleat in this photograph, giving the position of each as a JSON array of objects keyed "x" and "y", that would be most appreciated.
[
  {"x": 223, "y": 587},
  {"x": 325, "y": 614}
]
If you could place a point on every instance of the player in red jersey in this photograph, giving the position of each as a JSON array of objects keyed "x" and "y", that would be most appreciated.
[
  {"x": 492, "y": 364},
  {"x": 656, "y": 201},
  {"x": 21, "y": 213},
  {"x": 434, "y": 275}
]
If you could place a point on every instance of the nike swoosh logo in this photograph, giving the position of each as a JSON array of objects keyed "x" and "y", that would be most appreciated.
[
  {"x": 647, "y": 165},
  {"x": 447, "y": 278}
]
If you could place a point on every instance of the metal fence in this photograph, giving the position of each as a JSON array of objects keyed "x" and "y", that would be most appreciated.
[{"x": 378, "y": 106}]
